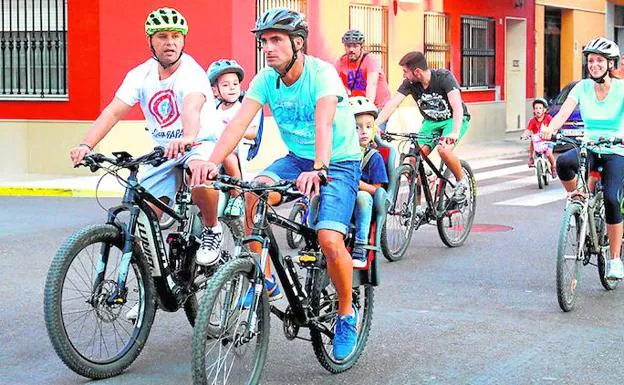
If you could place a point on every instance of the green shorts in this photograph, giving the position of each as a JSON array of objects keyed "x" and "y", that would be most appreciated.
[{"x": 440, "y": 128}]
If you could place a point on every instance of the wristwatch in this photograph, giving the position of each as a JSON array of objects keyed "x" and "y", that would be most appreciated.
[{"x": 320, "y": 166}]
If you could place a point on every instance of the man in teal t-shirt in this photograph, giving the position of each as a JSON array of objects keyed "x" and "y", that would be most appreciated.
[{"x": 310, "y": 106}]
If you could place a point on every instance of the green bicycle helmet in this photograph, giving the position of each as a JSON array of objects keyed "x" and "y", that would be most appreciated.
[
  {"x": 165, "y": 19},
  {"x": 224, "y": 66}
]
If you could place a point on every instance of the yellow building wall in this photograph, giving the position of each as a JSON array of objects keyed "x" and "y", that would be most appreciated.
[
  {"x": 539, "y": 49},
  {"x": 581, "y": 21}
]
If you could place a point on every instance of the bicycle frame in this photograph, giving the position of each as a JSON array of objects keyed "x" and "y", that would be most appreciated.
[
  {"x": 433, "y": 203},
  {"x": 143, "y": 222},
  {"x": 284, "y": 266}
]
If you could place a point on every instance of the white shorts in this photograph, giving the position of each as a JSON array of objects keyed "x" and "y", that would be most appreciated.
[{"x": 163, "y": 181}]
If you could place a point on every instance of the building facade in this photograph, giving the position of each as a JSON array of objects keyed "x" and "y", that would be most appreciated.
[{"x": 63, "y": 62}]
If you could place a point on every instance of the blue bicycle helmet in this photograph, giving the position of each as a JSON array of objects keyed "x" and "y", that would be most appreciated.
[{"x": 224, "y": 66}]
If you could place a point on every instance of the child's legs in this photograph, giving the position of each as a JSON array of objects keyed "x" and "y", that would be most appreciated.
[
  {"x": 230, "y": 165},
  {"x": 363, "y": 215},
  {"x": 531, "y": 154}
]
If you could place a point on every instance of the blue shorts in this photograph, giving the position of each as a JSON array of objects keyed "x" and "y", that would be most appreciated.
[
  {"x": 163, "y": 181},
  {"x": 337, "y": 197}
]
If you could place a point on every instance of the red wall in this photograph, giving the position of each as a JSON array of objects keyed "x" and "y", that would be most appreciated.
[
  {"x": 106, "y": 38},
  {"x": 83, "y": 52},
  {"x": 498, "y": 9}
]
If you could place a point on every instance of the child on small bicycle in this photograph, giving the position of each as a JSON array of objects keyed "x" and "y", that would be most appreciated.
[
  {"x": 373, "y": 175},
  {"x": 225, "y": 76},
  {"x": 539, "y": 145}
]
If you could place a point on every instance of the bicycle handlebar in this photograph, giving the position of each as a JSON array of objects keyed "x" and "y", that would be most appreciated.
[
  {"x": 390, "y": 136},
  {"x": 285, "y": 187},
  {"x": 578, "y": 142},
  {"x": 123, "y": 159}
]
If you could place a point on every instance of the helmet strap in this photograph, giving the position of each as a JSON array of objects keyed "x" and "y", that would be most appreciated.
[
  {"x": 223, "y": 100},
  {"x": 290, "y": 65},
  {"x": 600, "y": 79},
  {"x": 163, "y": 65}
]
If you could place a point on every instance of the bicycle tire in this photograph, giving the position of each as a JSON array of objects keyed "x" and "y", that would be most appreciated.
[
  {"x": 297, "y": 214},
  {"x": 166, "y": 222},
  {"x": 56, "y": 323},
  {"x": 231, "y": 232},
  {"x": 202, "y": 335},
  {"x": 324, "y": 302},
  {"x": 539, "y": 171},
  {"x": 445, "y": 223},
  {"x": 570, "y": 226},
  {"x": 394, "y": 251},
  {"x": 608, "y": 284}
]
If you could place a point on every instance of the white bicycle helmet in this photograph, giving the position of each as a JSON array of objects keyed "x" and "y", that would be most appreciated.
[
  {"x": 361, "y": 105},
  {"x": 603, "y": 46},
  {"x": 165, "y": 19}
]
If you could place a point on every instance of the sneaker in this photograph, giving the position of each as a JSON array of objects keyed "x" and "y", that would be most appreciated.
[
  {"x": 358, "y": 254},
  {"x": 553, "y": 174},
  {"x": 531, "y": 162},
  {"x": 211, "y": 241},
  {"x": 616, "y": 269},
  {"x": 235, "y": 207},
  {"x": 133, "y": 313},
  {"x": 273, "y": 290},
  {"x": 345, "y": 335},
  {"x": 459, "y": 195}
]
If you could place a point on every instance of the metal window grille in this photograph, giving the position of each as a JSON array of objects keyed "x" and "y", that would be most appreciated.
[
  {"x": 373, "y": 22},
  {"x": 478, "y": 49},
  {"x": 437, "y": 40},
  {"x": 33, "y": 49},
  {"x": 264, "y": 5}
]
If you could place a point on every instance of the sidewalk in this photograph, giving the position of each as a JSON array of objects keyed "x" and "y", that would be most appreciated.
[{"x": 68, "y": 186}]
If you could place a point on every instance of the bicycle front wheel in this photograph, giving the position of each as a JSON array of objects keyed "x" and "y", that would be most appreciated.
[
  {"x": 539, "y": 171},
  {"x": 456, "y": 218},
  {"x": 226, "y": 348},
  {"x": 94, "y": 338},
  {"x": 397, "y": 231},
  {"x": 569, "y": 258}
]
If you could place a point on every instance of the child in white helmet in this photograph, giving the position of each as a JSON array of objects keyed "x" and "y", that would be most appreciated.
[
  {"x": 225, "y": 76},
  {"x": 373, "y": 175}
]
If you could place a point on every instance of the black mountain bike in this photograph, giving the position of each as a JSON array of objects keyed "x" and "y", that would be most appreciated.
[
  {"x": 583, "y": 231},
  {"x": 453, "y": 219},
  {"x": 105, "y": 281},
  {"x": 234, "y": 350}
]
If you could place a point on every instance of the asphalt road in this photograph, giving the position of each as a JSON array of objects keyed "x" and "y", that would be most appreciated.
[{"x": 484, "y": 313}]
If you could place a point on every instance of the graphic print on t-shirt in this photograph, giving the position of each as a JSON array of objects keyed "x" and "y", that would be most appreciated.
[
  {"x": 434, "y": 106},
  {"x": 356, "y": 80},
  {"x": 164, "y": 108},
  {"x": 295, "y": 121}
]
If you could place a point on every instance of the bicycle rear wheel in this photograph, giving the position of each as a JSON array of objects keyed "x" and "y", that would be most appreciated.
[
  {"x": 603, "y": 242},
  {"x": 325, "y": 308},
  {"x": 455, "y": 224},
  {"x": 297, "y": 214},
  {"x": 399, "y": 226},
  {"x": 94, "y": 338},
  {"x": 231, "y": 353},
  {"x": 569, "y": 260}
]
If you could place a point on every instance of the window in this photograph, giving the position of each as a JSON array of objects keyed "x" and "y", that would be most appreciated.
[
  {"x": 373, "y": 22},
  {"x": 437, "y": 40},
  {"x": 477, "y": 52},
  {"x": 33, "y": 49},
  {"x": 264, "y": 5}
]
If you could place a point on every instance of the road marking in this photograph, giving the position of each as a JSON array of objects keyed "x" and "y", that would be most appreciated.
[
  {"x": 501, "y": 172},
  {"x": 485, "y": 163},
  {"x": 506, "y": 186},
  {"x": 537, "y": 199}
]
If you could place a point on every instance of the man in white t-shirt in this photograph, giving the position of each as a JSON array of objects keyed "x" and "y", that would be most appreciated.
[{"x": 176, "y": 99}]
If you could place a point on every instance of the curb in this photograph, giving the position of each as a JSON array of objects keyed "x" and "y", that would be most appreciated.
[{"x": 57, "y": 192}]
